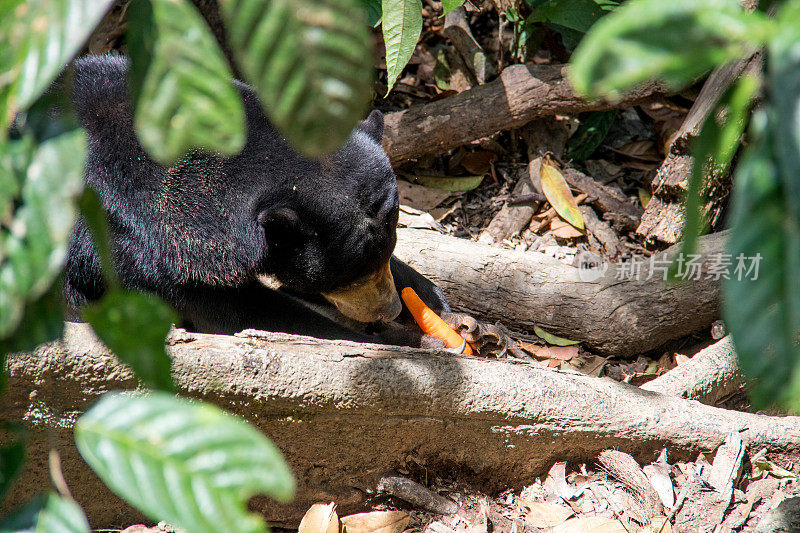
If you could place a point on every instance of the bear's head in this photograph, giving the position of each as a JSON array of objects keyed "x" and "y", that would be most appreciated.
[{"x": 330, "y": 229}]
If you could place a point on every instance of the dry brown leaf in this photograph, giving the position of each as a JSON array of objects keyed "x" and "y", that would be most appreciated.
[
  {"x": 591, "y": 524},
  {"x": 564, "y": 230},
  {"x": 641, "y": 150},
  {"x": 478, "y": 162},
  {"x": 556, "y": 481},
  {"x": 561, "y": 353},
  {"x": 320, "y": 518},
  {"x": 376, "y": 522},
  {"x": 680, "y": 359},
  {"x": 419, "y": 197},
  {"x": 585, "y": 363},
  {"x": 542, "y": 514}
]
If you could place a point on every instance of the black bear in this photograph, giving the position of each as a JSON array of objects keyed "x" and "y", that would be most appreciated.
[{"x": 201, "y": 233}]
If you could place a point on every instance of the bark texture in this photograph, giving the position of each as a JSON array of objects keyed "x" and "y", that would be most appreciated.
[
  {"x": 345, "y": 414},
  {"x": 520, "y": 94},
  {"x": 604, "y": 310}
]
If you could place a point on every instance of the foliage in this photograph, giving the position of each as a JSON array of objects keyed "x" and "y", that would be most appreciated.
[
  {"x": 311, "y": 62},
  {"x": 402, "y": 25},
  {"x": 676, "y": 42},
  {"x": 156, "y": 452},
  {"x": 45, "y": 514},
  {"x": 180, "y": 78}
]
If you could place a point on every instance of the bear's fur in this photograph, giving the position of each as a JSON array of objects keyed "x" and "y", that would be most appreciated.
[{"x": 200, "y": 233}]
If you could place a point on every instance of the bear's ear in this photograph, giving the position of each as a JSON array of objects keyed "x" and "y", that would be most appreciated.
[
  {"x": 373, "y": 126},
  {"x": 282, "y": 227}
]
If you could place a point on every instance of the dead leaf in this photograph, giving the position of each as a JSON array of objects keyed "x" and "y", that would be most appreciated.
[
  {"x": 414, "y": 218},
  {"x": 644, "y": 197},
  {"x": 542, "y": 514},
  {"x": 727, "y": 465},
  {"x": 556, "y": 481},
  {"x": 586, "y": 363},
  {"x": 680, "y": 359},
  {"x": 640, "y": 150},
  {"x": 762, "y": 467},
  {"x": 658, "y": 524},
  {"x": 478, "y": 162},
  {"x": 320, "y": 518},
  {"x": 591, "y": 524},
  {"x": 658, "y": 474},
  {"x": 564, "y": 230},
  {"x": 419, "y": 197},
  {"x": 449, "y": 183},
  {"x": 555, "y": 188},
  {"x": 376, "y": 522},
  {"x": 560, "y": 353},
  {"x": 549, "y": 338}
]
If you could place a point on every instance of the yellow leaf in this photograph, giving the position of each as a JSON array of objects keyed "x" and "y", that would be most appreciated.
[{"x": 555, "y": 188}]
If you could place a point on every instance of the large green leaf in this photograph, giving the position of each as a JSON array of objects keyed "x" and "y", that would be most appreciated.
[
  {"x": 449, "y": 5},
  {"x": 182, "y": 86},
  {"x": 590, "y": 134},
  {"x": 309, "y": 60},
  {"x": 134, "y": 326},
  {"x": 763, "y": 312},
  {"x": 48, "y": 513},
  {"x": 713, "y": 152},
  {"x": 784, "y": 95},
  {"x": 37, "y": 39},
  {"x": 188, "y": 463},
  {"x": 374, "y": 12},
  {"x": 578, "y": 15},
  {"x": 674, "y": 41},
  {"x": 402, "y": 25},
  {"x": 34, "y": 237},
  {"x": 12, "y": 457}
]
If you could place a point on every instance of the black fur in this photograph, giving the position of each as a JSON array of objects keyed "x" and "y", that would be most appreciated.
[{"x": 199, "y": 233}]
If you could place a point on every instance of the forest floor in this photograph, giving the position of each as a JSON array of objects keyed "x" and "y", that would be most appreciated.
[{"x": 461, "y": 192}]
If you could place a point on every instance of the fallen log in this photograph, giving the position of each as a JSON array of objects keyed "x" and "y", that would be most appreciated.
[
  {"x": 345, "y": 414},
  {"x": 614, "y": 310},
  {"x": 520, "y": 94},
  {"x": 709, "y": 376}
]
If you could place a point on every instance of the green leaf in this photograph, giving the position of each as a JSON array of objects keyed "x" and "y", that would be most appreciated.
[
  {"x": 42, "y": 321},
  {"x": 12, "y": 458},
  {"x": 188, "y": 463},
  {"x": 674, "y": 42},
  {"x": 590, "y": 134},
  {"x": 556, "y": 190},
  {"x": 374, "y": 12},
  {"x": 311, "y": 63},
  {"x": 549, "y": 338},
  {"x": 134, "y": 325},
  {"x": 402, "y": 25},
  {"x": 784, "y": 80},
  {"x": 762, "y": 312},
  {"x": 449, "y": 5},
  {"x": 39, "y": 37},
  {"x": 183, "y": 89},
  {"x": 48, "y": 513},
  {"x": 34, "y": 238},
  {"x": 578, "y": 15},
  {"x": 713, "y": 152}
]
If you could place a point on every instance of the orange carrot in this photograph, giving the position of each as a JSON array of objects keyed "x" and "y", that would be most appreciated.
[{"x": 430, "y": 323}]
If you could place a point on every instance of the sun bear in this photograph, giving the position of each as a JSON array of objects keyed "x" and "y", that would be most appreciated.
[{"x": 201, "y": 234}]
